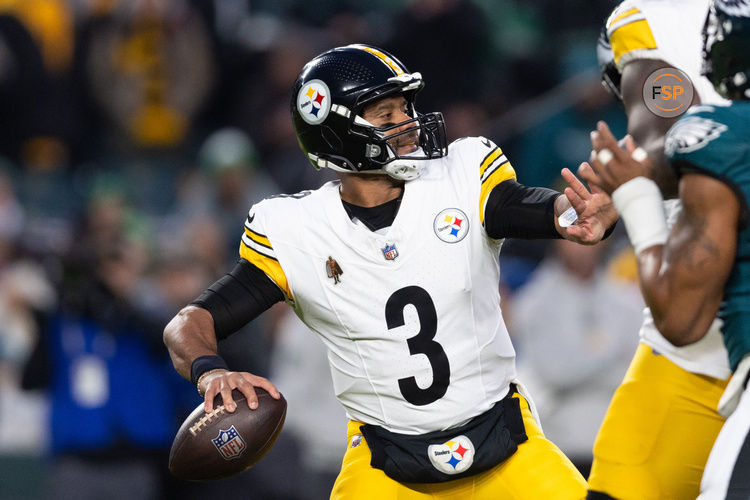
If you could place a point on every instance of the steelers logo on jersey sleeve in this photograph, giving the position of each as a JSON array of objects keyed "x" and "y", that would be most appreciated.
[
  {"x": 451, "y": 225},
  {"x": 314, "y": 101}
]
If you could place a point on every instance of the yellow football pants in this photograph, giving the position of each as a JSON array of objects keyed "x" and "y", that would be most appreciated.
[
  {"x": 658, "y": 431},
  {"x": 537, "y": 470}
]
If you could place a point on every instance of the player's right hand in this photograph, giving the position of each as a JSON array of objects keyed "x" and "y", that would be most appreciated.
[{"x": 223, "y": 381}]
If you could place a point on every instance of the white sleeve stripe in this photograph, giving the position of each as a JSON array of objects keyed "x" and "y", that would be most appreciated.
[
  {"x": 261, "y": 249},
  {"x": 258, "y": 242},
  {"x": 247, "y": 226},
  {"x": 499, "y": 162},
  {"x": 638, "y": 16}
]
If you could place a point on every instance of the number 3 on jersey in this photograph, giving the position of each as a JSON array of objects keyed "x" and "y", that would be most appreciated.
[{"x": 422, "y": 343}]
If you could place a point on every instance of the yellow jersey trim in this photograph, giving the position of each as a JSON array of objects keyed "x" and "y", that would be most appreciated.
[
  {"x": 613, "y": 20},
  {"x": 491, "y": 157},
  {"x": 268, "y": 265},
  {"x": 631, "y": 37},
  {"x": 501, "y": 174},
  {"x": 257, "y": 237}
]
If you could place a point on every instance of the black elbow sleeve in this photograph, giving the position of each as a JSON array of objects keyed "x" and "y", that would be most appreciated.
[
  {"x": 238, "y": 297},
  {"x": 517, "y": 211}
]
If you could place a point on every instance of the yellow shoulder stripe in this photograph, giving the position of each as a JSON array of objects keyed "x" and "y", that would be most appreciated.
[
  {"x": 501, "y": 174},
  {"x": 489, "y": 159},
  {"x": 613, "y": 20},
  {"x": 268, "y": 265},
  {"x": 631, "y": 37},
  {"x": 258, "y": 238}
]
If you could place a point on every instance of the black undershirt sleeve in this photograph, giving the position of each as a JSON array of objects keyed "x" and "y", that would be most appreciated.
[
  {"x": 517, "y": 211},
  {"x": 238, "y": 298}
]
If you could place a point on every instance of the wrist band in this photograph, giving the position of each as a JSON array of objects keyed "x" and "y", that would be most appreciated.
[
  {"x": 203, "y": 364},
  {"x": 641, "y": 206}
]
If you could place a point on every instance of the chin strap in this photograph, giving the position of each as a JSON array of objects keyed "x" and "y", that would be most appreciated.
[{"x": 403, "y": 169}]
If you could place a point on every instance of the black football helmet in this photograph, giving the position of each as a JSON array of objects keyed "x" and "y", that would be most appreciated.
[
  {"x": 726, "y": 47},
  {"x": 610, "y": 75},
  {"x": 327, "y": 102}
]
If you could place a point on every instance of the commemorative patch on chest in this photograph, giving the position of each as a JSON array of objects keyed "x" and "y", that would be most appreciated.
[
  {"x": 451, "y": 225},
  {"x": 333, "y": 270}
]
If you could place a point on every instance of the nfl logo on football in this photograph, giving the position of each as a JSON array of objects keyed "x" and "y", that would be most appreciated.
[
  {"x": 389, "y": 251},
  {"x": 229, "y": 443}
]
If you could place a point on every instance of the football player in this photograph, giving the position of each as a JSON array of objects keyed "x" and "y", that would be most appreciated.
[
  {"x": 640, "y": 451},
  {"x": 395, "y": 267},
  {"x": 701, "y": 266}
]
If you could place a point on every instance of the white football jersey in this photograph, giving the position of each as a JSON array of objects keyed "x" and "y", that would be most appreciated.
[
  {"x": 671, "y": 31},
  {"x": 410, "y": 314}
]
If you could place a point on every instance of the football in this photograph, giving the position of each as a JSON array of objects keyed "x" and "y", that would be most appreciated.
[{"x": 219, "y": 444}]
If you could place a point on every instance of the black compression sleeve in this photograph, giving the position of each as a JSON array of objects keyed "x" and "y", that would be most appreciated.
[
  {"x": 239, "y": 297},
  {"x": 517, "y": 211}
]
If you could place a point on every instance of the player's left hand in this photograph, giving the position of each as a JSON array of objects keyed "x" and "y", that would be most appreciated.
[
  {"x": 612, "y": 166},
  {"x": 595, "y": 210}
]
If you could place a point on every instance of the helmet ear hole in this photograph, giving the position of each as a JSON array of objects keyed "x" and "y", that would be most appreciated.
[{"x": 331, "y": 138}]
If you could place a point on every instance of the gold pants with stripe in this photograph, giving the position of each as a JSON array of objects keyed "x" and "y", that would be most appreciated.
[
  {"x": 658, "y": 431},
  {"x": 537, "y": 470}
]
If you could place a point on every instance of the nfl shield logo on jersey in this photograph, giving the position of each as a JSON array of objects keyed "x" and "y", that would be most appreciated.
[
  {"x": 389, "y": 251},
  {"x": 229, "y": 443}
]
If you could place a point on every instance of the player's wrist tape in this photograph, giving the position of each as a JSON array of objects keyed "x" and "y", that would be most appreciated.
[
  {"x": 204, "y": 364},
  {"x": 641, "y": 206}
]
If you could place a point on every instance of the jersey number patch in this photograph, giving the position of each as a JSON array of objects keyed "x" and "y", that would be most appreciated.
[{"x": 422, "y": 343}]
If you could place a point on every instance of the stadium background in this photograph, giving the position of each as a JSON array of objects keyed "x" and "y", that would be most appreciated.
[{"x": 135, "y": 135}]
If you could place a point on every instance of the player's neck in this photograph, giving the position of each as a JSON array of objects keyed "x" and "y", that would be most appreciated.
[{"x": 369, "y": 190}]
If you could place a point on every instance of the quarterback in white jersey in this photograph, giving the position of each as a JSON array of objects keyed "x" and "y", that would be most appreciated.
[
  {"x": 416, "y": 310},
  {"x": 667, "y": 389},
  {"x": 395, "y": 267}
]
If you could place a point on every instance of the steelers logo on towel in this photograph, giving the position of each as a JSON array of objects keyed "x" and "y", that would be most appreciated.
[
  {"x": 453, "y": 456},
  {"x": 314, "y": 101},
  {"x": 451, "y": 225}
]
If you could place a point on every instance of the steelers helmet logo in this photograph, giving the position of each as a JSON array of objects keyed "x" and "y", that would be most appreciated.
[
  {"x": 314, "y": 102},
  {"x": 451, "y": 225},
  {"x": 452, "y": 457}
]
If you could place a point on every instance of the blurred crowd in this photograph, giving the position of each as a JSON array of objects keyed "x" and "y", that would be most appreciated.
[{"x": 136, "y": 134}]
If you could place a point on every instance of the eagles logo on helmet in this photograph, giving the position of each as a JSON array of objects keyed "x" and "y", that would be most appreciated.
[
  {"x": 327, "y": 102},
  {"x": 726, "y": 38}
]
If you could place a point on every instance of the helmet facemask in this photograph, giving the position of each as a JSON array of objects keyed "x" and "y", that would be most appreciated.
[{"x": 425, "y": 131}]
